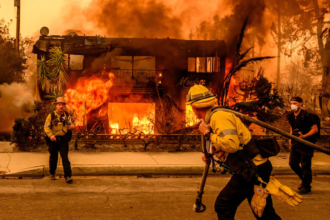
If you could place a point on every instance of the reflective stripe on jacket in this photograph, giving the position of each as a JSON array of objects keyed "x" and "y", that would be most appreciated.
[{"x": 229, "y": 135}]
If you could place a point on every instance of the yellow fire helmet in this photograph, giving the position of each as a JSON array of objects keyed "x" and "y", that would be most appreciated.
[{"x": 200, "y": 97}]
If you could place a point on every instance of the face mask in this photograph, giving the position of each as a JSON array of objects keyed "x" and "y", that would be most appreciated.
[{"x": 294, "y": 108}]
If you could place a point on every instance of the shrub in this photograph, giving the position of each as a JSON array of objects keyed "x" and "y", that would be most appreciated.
[{"x": 30, "y": 131}]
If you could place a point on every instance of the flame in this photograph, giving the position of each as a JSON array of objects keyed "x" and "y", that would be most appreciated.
[
  {"x": 94, "y": 91},
  {"x": 131, "y": 117},
  {"x": 114, "y": 128},
  {"x": 143, "y": 125},
  {"x": 191, "y": 118}
]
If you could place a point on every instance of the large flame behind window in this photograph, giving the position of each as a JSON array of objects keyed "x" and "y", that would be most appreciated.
[{"x": 131, "y": 117}]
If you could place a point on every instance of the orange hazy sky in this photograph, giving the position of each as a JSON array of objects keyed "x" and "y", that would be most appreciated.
[
  {"x": 50, "y": 13},
  {"x": 35, "y": 14}
]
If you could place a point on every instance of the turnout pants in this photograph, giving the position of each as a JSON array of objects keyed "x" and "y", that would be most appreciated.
[
  {"x": 305, "y": 170},
  {"x": 62, "y": 146},
  {"x": 237, "y": 190}
]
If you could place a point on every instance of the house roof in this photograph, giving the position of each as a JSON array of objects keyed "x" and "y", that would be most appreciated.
[{"x": 95, "y": 45}]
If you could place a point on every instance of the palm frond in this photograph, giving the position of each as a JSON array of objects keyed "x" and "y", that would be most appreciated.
[
  {"x": 63, "y": 79},
  {"x": 53, "y": 95},
  {"x": 43, "y": 70},
  {"x": 238, "y": 64},
  {"x": 43, "y": 74},
  {"x": 241, "y": 36},
  {"x": 56, "y": 66},
  {"x": 247, "y": 62},
  {"x": 242, "y": 56}
]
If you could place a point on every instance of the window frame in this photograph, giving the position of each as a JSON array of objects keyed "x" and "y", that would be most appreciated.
[{"x": 212, "y": 64}]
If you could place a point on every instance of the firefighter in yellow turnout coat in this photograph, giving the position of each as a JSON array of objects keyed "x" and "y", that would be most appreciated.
[{"x": 229, "y": 138}]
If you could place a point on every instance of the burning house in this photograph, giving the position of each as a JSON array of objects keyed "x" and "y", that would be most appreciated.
[{"x": 120, "y": 83}]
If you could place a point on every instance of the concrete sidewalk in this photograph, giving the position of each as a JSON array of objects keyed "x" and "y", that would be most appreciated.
[{"x": 134, "y": 163}]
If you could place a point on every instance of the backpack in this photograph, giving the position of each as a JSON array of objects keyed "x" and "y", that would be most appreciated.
[{"x": 69, "y": 132}]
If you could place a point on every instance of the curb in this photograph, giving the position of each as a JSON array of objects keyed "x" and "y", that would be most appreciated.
[{"x": 144, "y": 170}]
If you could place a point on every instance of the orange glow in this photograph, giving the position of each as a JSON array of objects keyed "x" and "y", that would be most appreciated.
[
  {"x": 191, "y": 118},
  {"x": 143, "y": 125},
  {"x": 229, "y": 65},
  {"x": 93, "y": 91},
  {"x": 131, "y": 117},
  {"x": 233, "y": 83}
]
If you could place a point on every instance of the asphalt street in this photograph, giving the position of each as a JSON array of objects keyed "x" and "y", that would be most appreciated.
[{"x": 139, "y": 198}]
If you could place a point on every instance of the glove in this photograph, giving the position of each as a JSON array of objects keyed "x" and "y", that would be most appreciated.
[
  {"x": 206, "y": 160},
  {"x": 283, "y": 193},
  {"x": 258, "y": 201}
]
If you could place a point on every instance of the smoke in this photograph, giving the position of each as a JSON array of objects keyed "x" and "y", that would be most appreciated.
[
  {"x": 15, "y": 102},
  {"x": 210, "y": 20},
  {"x": 139, "y": 19},
  {"x": 257, "y": 32},
  {"x": 228, "y": 27},
  {"x": 131, "y": 18},
  {"x": 126, "y": 18},
  {"x": 214, "y": 19}
]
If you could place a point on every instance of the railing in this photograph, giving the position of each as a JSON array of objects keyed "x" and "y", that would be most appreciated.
[
  {"x": 109, "y": 137},
  {"x": 132, "y": 137},
  {"x": 135, "y": 77}
]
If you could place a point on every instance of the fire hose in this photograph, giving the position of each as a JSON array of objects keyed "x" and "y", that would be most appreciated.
[
  {"x": 199, "y": 206},
  {"x": 276, "y": 130}
]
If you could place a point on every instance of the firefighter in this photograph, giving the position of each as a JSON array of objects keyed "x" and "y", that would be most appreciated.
[
  {"x": 229, "y": 136},
  {"x": 303, "y": 125},
  {"x": 58, "y": 134}
]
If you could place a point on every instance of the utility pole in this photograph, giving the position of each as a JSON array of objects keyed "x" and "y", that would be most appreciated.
[
  {"x": 17, "y": 3},
  {"x": 279, "y": 31}
]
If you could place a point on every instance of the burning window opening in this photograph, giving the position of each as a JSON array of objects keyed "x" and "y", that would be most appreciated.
[{"x": 131, "y": 117}]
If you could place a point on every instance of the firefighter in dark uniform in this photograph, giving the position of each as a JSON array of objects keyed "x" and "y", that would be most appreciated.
[
  {"x": 303, "y": 125},
  {"x": 56, "y": 130},
  {"x": 229, "y": 136}
]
